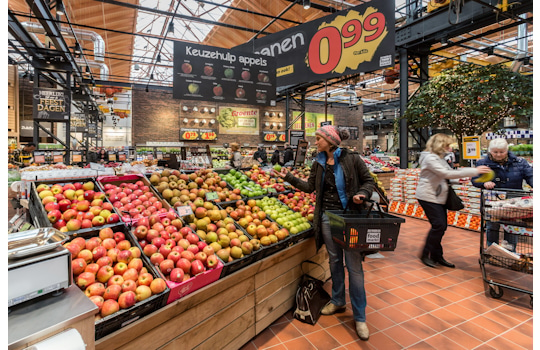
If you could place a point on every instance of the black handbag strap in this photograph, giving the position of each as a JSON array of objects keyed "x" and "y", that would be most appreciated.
[{"x": 315, "y": 263}]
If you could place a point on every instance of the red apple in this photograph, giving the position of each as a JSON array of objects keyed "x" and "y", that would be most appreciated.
[{"x": 112, "y": 292}]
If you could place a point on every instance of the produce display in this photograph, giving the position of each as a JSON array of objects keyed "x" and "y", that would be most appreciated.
[
  {"x": 174, "y": 248},
  {"x": 377, "y": 165},
  {"x": 241, "y": 181},
  {"x": 263, "y": 178},
  {"x": 300, "y": 202},
  {"x": 293, "y": 221},
  {"x": 252, "y": 218},
  {"x": 133, "y": 200},
  {"x": 75, "y": 206},
  {"x": 111, "y": 272},
  {"x": 180, "y": 189},
  {"x": 218, "y": 230}
]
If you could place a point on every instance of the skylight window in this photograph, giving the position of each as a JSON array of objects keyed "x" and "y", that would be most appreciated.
[{"x": 146, "y": 48}]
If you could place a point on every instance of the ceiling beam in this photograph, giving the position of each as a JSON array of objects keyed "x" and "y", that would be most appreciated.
[{"x": 184, "y": 17}]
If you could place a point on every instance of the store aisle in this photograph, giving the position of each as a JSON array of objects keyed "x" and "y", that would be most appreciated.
[{"x": 412, "y": 306}]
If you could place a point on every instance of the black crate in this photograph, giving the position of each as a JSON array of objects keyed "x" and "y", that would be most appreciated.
[
  {"x": 122, "y": 318},
  {"x": 300, "y": 236},
  {"x": 38, "y": 212},
  {"x": 365, "y": 230}
]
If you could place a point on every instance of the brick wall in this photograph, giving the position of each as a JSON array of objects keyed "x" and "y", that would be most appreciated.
[{"x": 158, "y": 117}]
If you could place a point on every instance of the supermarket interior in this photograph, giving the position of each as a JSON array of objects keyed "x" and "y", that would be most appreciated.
[{"x": 285, "y": 174}]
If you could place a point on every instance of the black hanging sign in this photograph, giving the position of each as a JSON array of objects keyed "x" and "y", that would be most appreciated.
[{"x": 51, "y": 104}]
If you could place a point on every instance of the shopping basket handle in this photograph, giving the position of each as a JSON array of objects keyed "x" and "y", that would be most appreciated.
[{"x": 373, "y": 203}]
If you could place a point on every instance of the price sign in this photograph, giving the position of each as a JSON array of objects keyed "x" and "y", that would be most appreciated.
[
  {"x": 184, "y": 210},
  {"x": 271, "y": 190},
  {"x": 471, "y": 147},
  {"x": 112, "y": 157},
  {"x": 329, "y": 122},
  {"x": 211, "y": 196},
  {"x": 76, "y": 157},
  {"x": 208, "y": 135},
  {"x": 39, "y": 157},
  {"x": 58, "y": 157},
  {"x": 122, "y": 156},
  {"x": 282, "y": 137},
  {"x": 159, "y": 155},
  {"x": 190, "y": 135}
]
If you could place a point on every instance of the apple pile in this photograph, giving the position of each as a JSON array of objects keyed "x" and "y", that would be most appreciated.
[
  {"x": 301, "y": 172},
  {"x": 218, "y": 230},
  {"x": 264, "y": 179},
  {"x": 75, "y": 206},
  {"x": 300, "y": 202},
  {"x": 134, "y": 200},
  {"x": 248, "y": 188},
  {"x": 285, "y": 216},
  {"x": 174, "y": 248},
  {"x": 254, "y": 220},
  {"x": 111, "y": 272}
]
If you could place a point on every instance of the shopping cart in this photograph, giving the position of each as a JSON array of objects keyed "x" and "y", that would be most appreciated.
[{"x": 507, "y": 218}]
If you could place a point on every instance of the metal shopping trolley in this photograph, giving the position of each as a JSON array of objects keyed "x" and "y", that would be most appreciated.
[{"x": 506, "y": 240}]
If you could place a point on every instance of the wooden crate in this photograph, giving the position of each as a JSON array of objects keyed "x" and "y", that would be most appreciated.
[{"x": 227, "y": 313}]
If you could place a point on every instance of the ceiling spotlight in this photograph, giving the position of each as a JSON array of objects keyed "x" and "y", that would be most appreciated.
[
  {"x": 203, "y": 121},
  {"x": 60, "y": 9},
  {"x": 171, "y": 28},
  {"x": 363, "y": 85},
  {"x": 78, "y": 49},
  {"x": 88, "y": 69},
  {"x": 196, "y": 121},
  {"x": 280, "y": 125},
  {"x": 307, "y": 4},
  {"x": 382, "y": 94},
  {"x": 158, "y": 58},
  {"x": 274, "y": 125},
  {"x": 280, "y": 114},
  {"x": 267, "y": 124},
  {"x": 185, "y": 120},
  {"x": 185, "y": 108},
  {"x": 136, "y": 66},
  {"x": 212, "y": 110},
  {"x": 195, "y": 109},
  {"x": 212, "y": 121},
  {"x": 266, "y": 114},
  {"x": 272, "y": 114},
  {"x": 146, "y": 88},
  {"x": 526, "y": 60},
  {"x": 489, "y": 51},
  {"x": 31, "y": 79}
]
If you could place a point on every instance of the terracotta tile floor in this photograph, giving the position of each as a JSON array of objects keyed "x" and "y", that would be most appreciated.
[{"x": 412, "y": 306}]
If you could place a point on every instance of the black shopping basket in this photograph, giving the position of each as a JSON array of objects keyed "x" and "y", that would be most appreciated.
[{"x": 365, "y": 230}]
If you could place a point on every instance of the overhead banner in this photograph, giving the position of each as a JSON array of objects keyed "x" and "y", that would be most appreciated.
[
  {"x": 78, "y": 122},
  {"x": 51, "y": 104},
  {"x": 208, "y": 73},
  {"x": 360, "y": 39},
  {"x": 313, "y": 121},
  {"x": 237, "y": 120}
]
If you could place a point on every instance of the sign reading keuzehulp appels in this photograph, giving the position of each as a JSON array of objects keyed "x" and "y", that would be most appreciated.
[
  {"x": 360, "y": 39},
  {"x": 208, "y": 73},
  {"x": 51, "y": 104},
  {"x": 237, "y": 120}
]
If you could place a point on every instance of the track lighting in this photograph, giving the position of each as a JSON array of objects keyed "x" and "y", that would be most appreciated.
[
  {"x": 158, "y": 58},
  {"x": 146, "y": 88},
  {"x": 171, "y": 28},
  {"x": 307, "y": 4},
  {"x": 60, "y": 9}
]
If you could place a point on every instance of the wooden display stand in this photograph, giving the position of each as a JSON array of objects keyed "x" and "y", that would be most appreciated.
[
  {"x": 229, "y": 312},
  {"x": 385, "y": 179}
]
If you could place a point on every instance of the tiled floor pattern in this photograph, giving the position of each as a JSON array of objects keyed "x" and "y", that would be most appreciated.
[{"x": 412, "y": 306}]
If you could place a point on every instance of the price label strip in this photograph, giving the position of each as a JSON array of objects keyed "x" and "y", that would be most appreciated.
[
  {"x": 271, "y": 190},
  {"x": 184, "y": 210},
  {"x": 211, "y": 196}
]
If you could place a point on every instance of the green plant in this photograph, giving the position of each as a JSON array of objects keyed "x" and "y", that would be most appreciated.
[{"x": 470, "y": 100}]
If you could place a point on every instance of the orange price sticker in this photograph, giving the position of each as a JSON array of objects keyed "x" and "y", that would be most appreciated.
[
  {"x": 282, "y": 137},
  {"x": 209, "y": 135},
  {"x": 190, "y": 135},
  {"x": 58, "y": 158},
  {"x": 77, "y": 158}
]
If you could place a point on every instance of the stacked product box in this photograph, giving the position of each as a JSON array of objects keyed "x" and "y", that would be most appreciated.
[
  {"x": 470, "y": 196},
  {"x": 409, "y": 186},
  {"x": 396, "y": 189}
]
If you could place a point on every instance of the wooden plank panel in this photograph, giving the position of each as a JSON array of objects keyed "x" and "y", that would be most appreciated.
[
  {"x": 151, "y": 324},
  {"x": 283, "y": 295},
  {"x": 215, "y": 331},
  {"x": 277, "y": 283},
  {"x": 236, "y": 334},
  {"x": 273, "y": 315}
]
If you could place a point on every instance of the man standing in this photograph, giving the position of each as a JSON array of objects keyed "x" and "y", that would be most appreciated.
[
  {"x": 24, "y": 156},
  {"x": 289, "y": 155}
]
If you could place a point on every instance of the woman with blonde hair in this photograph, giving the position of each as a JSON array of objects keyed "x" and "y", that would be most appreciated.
[
  {"x": 236, "y": 157},
  {"x": 432, "y": 192}
]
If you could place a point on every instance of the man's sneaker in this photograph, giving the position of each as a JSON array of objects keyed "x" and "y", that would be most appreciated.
[{"x": 330, "y": 309}]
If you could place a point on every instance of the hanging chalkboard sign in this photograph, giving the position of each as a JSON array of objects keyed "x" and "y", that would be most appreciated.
[{"x": 301, "y": 152}]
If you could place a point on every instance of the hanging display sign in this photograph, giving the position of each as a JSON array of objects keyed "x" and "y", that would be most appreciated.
[
  {"x": 313, "y": 121},
  {"x": 360, "y": 39},
  {"x": 77, "y": 122},
  {"x": 112, "y": 156},
  {"x": 471, "y": 147},
  {"x": 208, "y": 73},
  {"x": 51, "y": 104},
  {"x": 237, "y": 120},
  {"x": 326, "y": 123},
  {"x": 353, "y": 131},
  {"x": 92, "y": 129}
]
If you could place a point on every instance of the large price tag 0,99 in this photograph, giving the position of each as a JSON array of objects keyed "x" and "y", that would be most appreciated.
[
  {"x": 347, "y": 41},
  {"x": 184, "y": 210}
]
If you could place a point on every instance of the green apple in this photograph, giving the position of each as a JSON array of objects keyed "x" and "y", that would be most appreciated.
[{"x": 193, "y": 88}]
